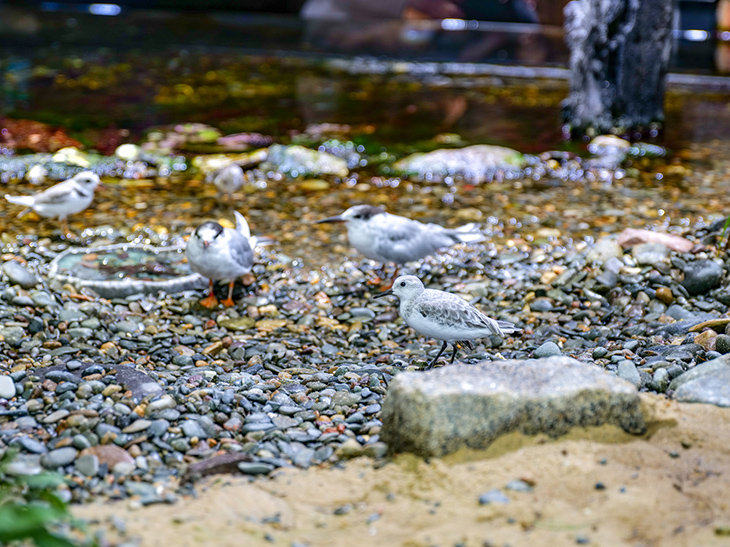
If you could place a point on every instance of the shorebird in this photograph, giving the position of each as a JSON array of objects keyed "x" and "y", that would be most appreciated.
[
  {"x": 228, "y": 179},
  {"x": 443, "y": 315},
  {"x": 61, "y": 200},
  {"x": 220, "y": 253},
  {"x": 387, "y": 238}
]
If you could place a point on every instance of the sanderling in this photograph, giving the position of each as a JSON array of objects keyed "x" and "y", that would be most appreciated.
[
  {"x": 391, "y": 238},
  {"x": 228, "y": 179},
  {"x": 61, "y": 200},
  {"x": 443, "y": 315},
  {"x": 219, "y": 253}
]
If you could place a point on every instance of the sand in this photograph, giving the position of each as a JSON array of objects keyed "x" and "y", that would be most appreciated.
[{"x": 598, "y": 486}]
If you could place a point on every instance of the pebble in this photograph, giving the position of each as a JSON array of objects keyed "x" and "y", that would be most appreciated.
[
  {"x": 59, "y": 457},
  {"x": 628, "y": 371},
  {"x": 255, "y": 468},
  {"x": 19, "y": 275},
  {"x": 702, "y": 275},
  {"x": 7, "y": 387},
  {"x": 493, "y": 496},
  {"x": 87, "y": 464},
  {"x": 548, "y": 349}
]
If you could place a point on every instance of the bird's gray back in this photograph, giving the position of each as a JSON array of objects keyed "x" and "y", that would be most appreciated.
[
  {"x": 240, "y": 249},
  {"x": 400, "y": 240},
  {"x": 453, "y": 311}
]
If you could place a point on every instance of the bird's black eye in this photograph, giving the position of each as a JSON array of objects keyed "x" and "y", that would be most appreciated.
[
  {"x": 357, "y": 216},
  {"x": 402, "y": 283}
]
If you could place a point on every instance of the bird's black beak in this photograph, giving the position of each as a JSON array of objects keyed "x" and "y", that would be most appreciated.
[
  {"x": 384, "y": 293},
  {"x": 338, "y": 218}
]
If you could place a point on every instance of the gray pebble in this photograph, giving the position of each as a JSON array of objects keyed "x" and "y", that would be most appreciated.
[
  {"x": 493, "y": 496},
  {"x": 59, "y": 457},
  {"x": 548, "y": 349},
  {"x": 7, "y": 387},
  {"x": 19, "y": 275}
]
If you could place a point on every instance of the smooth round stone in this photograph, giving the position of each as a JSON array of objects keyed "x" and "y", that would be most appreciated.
[
  {"x": 80, "y": 442},
  {"x": 137, "y": 426},
  {"x": 59, "y": 457},
  {"x": 180, "y": 444},
  {"x": 600, "y": 353},
  {"x": 29, "y": 444},
  {"x": 80, "y": 332},
  {"x": 74, "y": 364},
  {"x": 71, "y": 315},
  {"x": 548, "y": 349},
  {"x": 158, "y": 427},
  {"x": 127, "y": 326},
  {"x": 628, "y": 371},
  {"x": 21, "y": 466},
  {"x": 722, "y": 344},
  {"x": 160, "y": 404},
  {"x": 19, "y": 275},
  {"x": 192, "y": 428},
  {"x": 42, "y": 299},
  {"x": 26, "y": 422},
  {"x": 541, "y": 305},
  {"x": 88, "y": 465},
  {"x": 701, "y": 276},
  {"x": 56, "y": 416},
  {"x": 7, "y": 387},
  {"x": 493, "y": 496},
  {"x": 255, "y": 468},
  {"x": 12, "y": 336}
]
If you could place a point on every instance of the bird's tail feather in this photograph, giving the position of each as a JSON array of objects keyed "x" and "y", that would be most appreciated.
[
  {"x": 507, "y": 327},
  {"x": 20, "y": 200},
  {"x": 468, "y": 233},
  {"x": 242, "y": 224},
  {"x": 260, "y": 241}
]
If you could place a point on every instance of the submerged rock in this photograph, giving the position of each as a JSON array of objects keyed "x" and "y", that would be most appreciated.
[
  {"x": 298, "y": 161},
  {"x": 438, "y": 412},
  {"x": 478, "y": 163}
]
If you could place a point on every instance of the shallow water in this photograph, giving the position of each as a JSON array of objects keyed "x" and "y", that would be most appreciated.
[{"x": 105, "y": 98}]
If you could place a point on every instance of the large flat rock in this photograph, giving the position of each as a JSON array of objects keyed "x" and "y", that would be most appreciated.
[{"x": 438, "y": 412}]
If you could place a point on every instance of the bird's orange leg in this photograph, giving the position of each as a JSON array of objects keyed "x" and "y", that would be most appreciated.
[
  {"x": 66, "y": 232},
  {"x": 228, "y": 302},
  {"x": 210, "y": 301}
]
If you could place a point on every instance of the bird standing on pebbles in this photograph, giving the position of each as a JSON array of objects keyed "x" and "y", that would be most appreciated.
[
  {"x": 443, "y": 315},
  {"x": 220, "y": 253},
  {"x": 391, "y": 238},
  {"x": 61, "y": 200}
]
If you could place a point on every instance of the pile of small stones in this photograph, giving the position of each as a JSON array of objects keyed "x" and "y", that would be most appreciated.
[{"x": 126, "y": 396}]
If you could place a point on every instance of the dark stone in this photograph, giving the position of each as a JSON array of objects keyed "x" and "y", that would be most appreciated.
[
  {"x": 701, "y": 276},
  {"x": 619, "y": 56},
  {"x": 225, "y": 463}
]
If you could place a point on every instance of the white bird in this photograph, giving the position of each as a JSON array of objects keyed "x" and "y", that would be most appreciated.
[
  {"x": 443, "y": 315},
  {"x": 391, "y": 238},
  {"x": 61, "y": 200},
  {"x": 228, "y": 179},
  {"x": 220, "y": 253}
]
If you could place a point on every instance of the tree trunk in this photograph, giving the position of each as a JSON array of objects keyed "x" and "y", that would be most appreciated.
[{"x": 619, "y": 56}]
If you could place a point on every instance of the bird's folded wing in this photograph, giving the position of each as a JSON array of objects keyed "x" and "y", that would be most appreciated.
[
  {"x": 56, "y": 194},
  {"x": 406, "y": 240},
  {"x": 457, "y": 313},
  {"x": 241, "y": 250}
]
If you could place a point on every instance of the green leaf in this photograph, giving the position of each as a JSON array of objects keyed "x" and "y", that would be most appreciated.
[{"x": 725, "y": 227}]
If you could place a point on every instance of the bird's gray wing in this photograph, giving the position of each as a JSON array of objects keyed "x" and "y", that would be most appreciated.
[
  {"x": 456, "y": 312},
  {"x": 56, "y": 194},
  {"x": 240, "y": 249},
  {"x": 404, "y": 240}
]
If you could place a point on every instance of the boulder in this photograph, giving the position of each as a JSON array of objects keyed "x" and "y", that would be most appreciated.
[{"x": 440, "y": 411}]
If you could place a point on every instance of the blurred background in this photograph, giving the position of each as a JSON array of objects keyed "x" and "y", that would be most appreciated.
[{"x": 507, "y": 31}]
